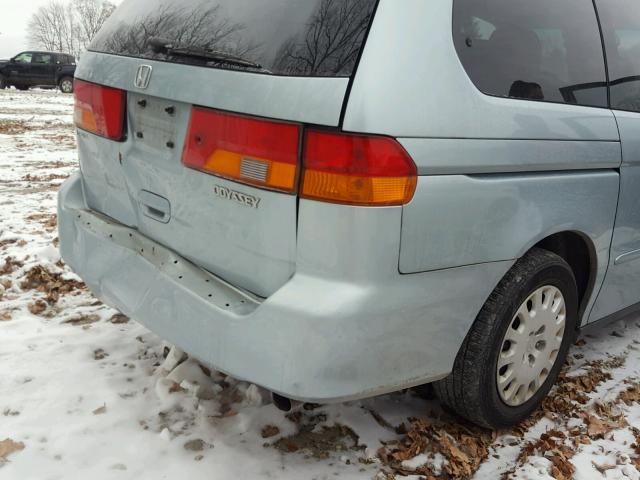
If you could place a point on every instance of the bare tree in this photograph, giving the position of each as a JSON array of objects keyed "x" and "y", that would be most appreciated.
[
  {"x": 51, "y": 27},
  {"x": 331, "y": 42},
  {"x": 68, "y": 26},
  {"x": 90, "y": 16},
  {"x": 204, "y": 27}
]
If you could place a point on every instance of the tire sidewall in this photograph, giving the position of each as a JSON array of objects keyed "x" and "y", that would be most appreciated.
[{"x": 560, "y": 276}]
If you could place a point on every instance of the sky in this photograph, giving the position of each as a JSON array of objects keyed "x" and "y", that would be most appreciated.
[{"x": 13, "y": 24}]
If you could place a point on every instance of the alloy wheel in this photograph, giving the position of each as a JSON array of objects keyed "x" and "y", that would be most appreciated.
[{"x": 66, "y": 86}]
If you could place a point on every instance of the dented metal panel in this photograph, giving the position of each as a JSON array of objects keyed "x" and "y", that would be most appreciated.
[{"x": 289, "y": 343}]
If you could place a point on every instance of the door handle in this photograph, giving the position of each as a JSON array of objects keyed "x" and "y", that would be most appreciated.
[{"x": 154, "y": 206}]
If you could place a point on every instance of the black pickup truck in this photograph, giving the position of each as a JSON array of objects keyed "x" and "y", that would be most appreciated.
[{"x": 38, "y": 69}]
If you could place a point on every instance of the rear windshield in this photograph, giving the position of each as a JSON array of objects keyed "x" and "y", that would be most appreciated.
[{"x": 312, "y": 38}]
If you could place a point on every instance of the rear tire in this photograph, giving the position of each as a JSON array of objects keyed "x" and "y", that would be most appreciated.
[
  {"x": 21, "y": 87},
  {"x": 3, "y": 83},
  {"x": 66, "y": 85},
  {"x": 515, "y": 327}
]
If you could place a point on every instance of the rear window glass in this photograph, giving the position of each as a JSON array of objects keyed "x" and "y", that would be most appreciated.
[
  {"x": 42, "y": 58},
  {"x": 281, "y": 37},
  {"x": 621, "y": 28},
  {"x": 545, "y": 50}
]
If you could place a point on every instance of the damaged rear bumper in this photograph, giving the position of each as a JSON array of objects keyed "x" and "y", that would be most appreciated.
[{"x": 322, "y": 337}]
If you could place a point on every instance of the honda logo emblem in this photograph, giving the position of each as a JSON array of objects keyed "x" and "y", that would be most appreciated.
[{"x": 143, "y": 76}]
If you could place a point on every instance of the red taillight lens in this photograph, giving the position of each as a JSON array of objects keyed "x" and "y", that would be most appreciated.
[
  {"x": 100, "y": 109},
  {"x": 357, "y": 169},
  {"x": 245, "y": 149}
]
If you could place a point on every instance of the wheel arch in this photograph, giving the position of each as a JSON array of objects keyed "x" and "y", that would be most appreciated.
[
  {"x": 61, "y": 75},
  {"x": 579, "y": 251}
]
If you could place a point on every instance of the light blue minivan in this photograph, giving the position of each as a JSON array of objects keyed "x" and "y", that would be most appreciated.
[{"x": 335, "y": 199}]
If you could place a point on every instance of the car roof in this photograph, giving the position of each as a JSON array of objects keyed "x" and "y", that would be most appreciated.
[{"x": 48, "y": 53}]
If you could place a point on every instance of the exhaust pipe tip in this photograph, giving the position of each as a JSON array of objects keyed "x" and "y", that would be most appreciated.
[{"x": 281, "y": 403}]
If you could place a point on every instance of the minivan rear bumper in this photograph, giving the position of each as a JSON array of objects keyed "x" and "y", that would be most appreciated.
[{"x": 322, "y": 337}]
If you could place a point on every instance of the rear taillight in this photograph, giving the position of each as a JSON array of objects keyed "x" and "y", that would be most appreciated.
[
  {"x": 100, "y": 109},
  {"x": 357, "y": 169},
  {"x": 245, "y": 149}
]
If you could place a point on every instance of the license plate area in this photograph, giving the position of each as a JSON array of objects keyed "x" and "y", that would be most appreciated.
[{"x": 155, "y": 123}]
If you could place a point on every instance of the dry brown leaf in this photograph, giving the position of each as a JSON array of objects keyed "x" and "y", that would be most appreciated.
[
  {"x": 99, "y": 354},
  {"x": 464, "y": 448},
  {"x": 459, "y": 464},
  {"x": 636, "y": 447},
  {"x": 563, "y": 469},
  {"x": 8, "y": 446},
  {"x": 583, "y": 440},
  {"x": 52, "y": 284},
  {"x": 319, "y": 441},
  {"x": 630, "y": 395},
  {"x": 37, "y": 307},
  {"x": 100, "y": 410},
  {"x": 48, "y": 220},
  {"x": 175, "y": 388},
  {"x": 81, "y": 320},
  {"x": 119, "y": 318},
  {"x": 550, "y": 445},
  {"x": 636, "y": 434},
  {"x": 597, "y": 428},
  {"x": 8, "y": 241},
  {"x": 269, "y": 431},
  {"x": 10, "y": 265},
  {"x": 602, "y": 468}
]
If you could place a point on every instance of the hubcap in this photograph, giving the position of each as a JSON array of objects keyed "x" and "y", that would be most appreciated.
[
  {"x": 66, "y": 86},
  {"x": 530, "y": 346}
]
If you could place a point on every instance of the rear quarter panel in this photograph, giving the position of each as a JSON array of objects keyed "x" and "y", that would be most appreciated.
[
  {"x": 497, "y": 175},
  {"x": 459, "y": 220}
]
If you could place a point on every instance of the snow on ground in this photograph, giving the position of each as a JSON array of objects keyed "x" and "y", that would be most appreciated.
[{"x": 87, "y": 393}]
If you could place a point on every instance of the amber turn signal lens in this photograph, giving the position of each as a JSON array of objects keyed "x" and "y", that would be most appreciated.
[{"x": 357, "y": 170}]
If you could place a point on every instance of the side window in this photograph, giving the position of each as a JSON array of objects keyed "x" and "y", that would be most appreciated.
[
  {"x": 42, "y": 58},
  {"x": 621, "y": 29},
  {"x": 545, "y": 50},
  {"x": 24, "y": 58}
]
